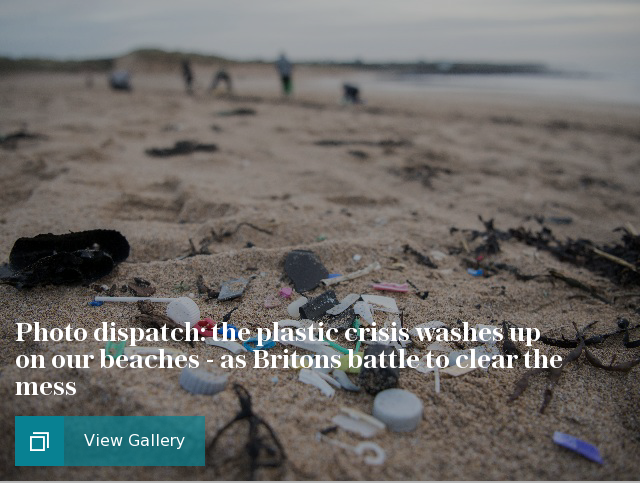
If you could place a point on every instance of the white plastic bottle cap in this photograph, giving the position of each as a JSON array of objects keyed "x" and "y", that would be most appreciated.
[
  {"x": 204, "y": 380},
  {"x": 184, "y": 310},
  {"x": 399, "y": 409}
]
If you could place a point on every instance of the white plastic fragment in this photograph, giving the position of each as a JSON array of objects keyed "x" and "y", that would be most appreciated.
[
  {"x": 345, "y": 303},
  {"x": 359, "y": 427},
  {"x": 377, "y": 459},
  {"x": 345, "y": 381},
  {"x": 363, "y": 310},
  {"x": 381, "y": 303},
  {"x": 311, "y": 377},
  {"x": 232, "y": 346},
  {"x": 358, "y": 415},
  {"x": 294, "y": 308},
  {"x": 379, "y": 454},
  {"x": 352, "y": 275},
  {"x": 290, "y": 323},
  {"x": 328, "y": 379},
  {"x": 203, "y": 380},
  {"x": 436, "y": 371},
  {"x": 399, "y": 409}
]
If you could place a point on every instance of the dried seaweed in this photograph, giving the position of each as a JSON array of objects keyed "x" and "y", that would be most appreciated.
[
  {"x": 149, "y": 318},
  {"x": 204, "y": 289},
  {"x": 422, "y": 172},
  {"x": 141, "y": 287},
  {"x": 263, "y": 450},
  {"x": 421, "y": 294},
  {"x": 623, "y": 324},
  {"x": 555, "y": 373},
  {"x": 385, "y": 143},
  {"x": 563, "y": 342},
  {"x": 490, "y": 236},
  {"x": 184, "y": 147},
  {"x": 10, "y": 141},
  {"x": 420, "y": 258},
  {"x": 218, "y": 238},
  {"x": 618, "y": 263},
  {"x": 579, "y": 285},
  {"x": 508, "y": 346}
]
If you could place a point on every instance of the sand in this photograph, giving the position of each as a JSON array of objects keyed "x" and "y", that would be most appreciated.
[{"x": 500, "y": 157}]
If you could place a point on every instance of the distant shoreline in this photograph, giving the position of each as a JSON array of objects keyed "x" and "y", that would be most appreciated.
[{"x": 159, "y": 58}]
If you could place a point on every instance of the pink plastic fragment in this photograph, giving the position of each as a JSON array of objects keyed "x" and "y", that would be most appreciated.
[
  {"x": 390, "y": 286},
  {"x": 271, "y": 302},
  {"x": 286, "y": 292}
]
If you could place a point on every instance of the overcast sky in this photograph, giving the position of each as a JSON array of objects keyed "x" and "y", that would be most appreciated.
[{"x": 580, "y": 34}]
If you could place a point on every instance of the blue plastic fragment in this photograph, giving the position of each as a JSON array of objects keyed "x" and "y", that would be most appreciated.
[
  {"x": 232, "y": 331},
  {"x": 252, "y": 344},
  {"x": 475, "y": 272},
  {"x": 581, "y": 447},
  {"x": 331, "y": 276},
  {"x": 96, "y": 303}
]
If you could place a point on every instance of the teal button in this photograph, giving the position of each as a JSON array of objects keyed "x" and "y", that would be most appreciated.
[
  {"x": 110, "y": 441},
  {"x": 39, "y": 441},
  {"x": 134, "y": 441}
]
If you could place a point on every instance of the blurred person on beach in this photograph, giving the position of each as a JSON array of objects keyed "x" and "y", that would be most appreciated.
[
  {"x": 285, "y": 68},
  {"x": 120, "y": 80},
  {"x": 221, "y": 76},
  {"x": 187, "y": 74},
  {"x": 351, "y": 94}
]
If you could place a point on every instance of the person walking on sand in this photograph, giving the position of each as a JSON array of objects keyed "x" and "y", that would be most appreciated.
[
  {"x": 221, "y": 76},
  {"x": 187, "y": 74},
  {"x": 285, "y": 68}
]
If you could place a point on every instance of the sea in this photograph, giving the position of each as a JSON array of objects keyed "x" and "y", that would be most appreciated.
[{"x": 618, "y": 88}]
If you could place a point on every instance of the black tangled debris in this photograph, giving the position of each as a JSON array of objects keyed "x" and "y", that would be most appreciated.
[
  {"x": 263, "y": 446},
  {"x": 64, "y": 259}
]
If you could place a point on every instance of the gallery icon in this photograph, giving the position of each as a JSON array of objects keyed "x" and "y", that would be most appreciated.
[{"x": 43, "y": 437}]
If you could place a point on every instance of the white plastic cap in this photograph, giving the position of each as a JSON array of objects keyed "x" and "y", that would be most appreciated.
[
  {"x": 184, "y": 310},
  {"x": 204, "y": 380},
  {"x": 399, "y": 409}
]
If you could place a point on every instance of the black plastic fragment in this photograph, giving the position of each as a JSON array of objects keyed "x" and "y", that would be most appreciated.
[
  {"x": 305, "y": 270},
  {"x": 375, "y": 380},
  {"x": 317, "y": 307},
  {"x": 232, "y": 289}
]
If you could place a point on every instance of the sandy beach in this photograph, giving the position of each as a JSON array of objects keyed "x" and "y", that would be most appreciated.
[{"x": 403, "y": 169}]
